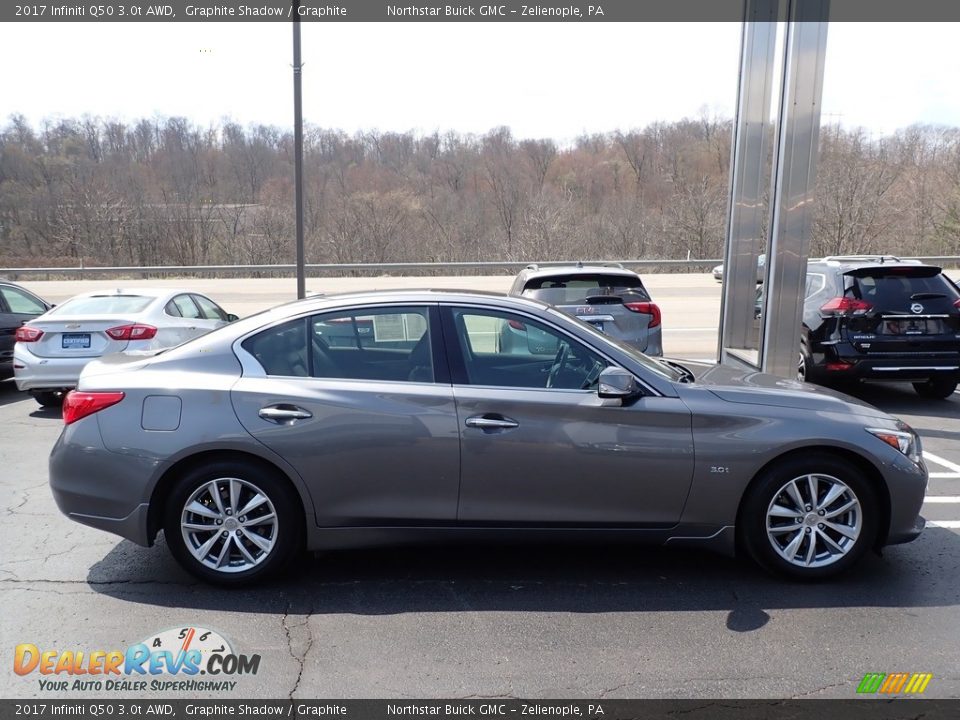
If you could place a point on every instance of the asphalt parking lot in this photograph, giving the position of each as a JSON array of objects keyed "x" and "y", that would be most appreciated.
[{"x": 599, "y": 622}]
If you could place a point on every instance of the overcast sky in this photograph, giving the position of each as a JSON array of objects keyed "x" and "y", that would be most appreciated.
[{"x": 554, "y": 80}]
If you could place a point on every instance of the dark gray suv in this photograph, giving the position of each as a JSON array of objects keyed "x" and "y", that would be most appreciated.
[
  {"x": 881, "y": 318},
  {"x": 275, "y": 433}
]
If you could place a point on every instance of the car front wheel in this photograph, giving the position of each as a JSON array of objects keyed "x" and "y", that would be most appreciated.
[
  {"x": 809, "y": 518},
  {"x": 232, "y": 523}
]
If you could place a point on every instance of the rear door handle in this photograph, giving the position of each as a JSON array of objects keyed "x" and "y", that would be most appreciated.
[
  {"x": 484, "y": 422},
  {"x": 284, "y": 414}
]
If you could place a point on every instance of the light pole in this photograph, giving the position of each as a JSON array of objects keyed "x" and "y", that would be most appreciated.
[{"x": 298, "y": 147}]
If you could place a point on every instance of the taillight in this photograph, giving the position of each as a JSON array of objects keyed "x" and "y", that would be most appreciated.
[
  {"x": 956, "y": 304},
  {"x": 845, "y": 307},
  {"x": 838, "y": 366},
  {"x": 132, "y": 332},
  {"x": 648, "y": 308},
  {"x": 77, "y": 405},
  {"x": 517, "y": 325},
  {"x": 25, "y": 333}
]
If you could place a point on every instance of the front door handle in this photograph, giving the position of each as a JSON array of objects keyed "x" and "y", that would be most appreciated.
[
  {"x": 485, "y": 422},
  {"x": 284, "y": 414}
]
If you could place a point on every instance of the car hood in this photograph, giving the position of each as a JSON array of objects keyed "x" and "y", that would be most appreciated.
[{"x": 750, "y": 387}]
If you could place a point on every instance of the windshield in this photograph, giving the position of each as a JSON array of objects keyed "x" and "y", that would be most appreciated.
[{"x": 650, "y": 363}]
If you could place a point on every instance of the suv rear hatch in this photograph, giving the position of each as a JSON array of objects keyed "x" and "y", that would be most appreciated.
[
  {"x": 900, "y": 310},
  {"x": 618, "y": 305}
]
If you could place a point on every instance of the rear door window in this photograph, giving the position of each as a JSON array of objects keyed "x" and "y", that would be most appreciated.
[{"x": 187, "y": 307}]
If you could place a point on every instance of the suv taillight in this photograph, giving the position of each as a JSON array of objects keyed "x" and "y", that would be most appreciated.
[
  {"x": 25, "y": 333},
  {"x": 648, "y": 308},
  {"x": 77, "y": 405},
  {"x": 132, "y": 332},
  {"x": 845, "y": 307}
]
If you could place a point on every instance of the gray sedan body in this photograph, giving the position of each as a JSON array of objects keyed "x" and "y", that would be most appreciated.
[{"x": 424, "y": 429}]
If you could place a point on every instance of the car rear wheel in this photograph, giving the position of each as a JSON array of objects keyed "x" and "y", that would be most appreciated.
[
  {"x": 936, "y": 388},
  {"x": 232, "y": 523},
  {"x": 49, "y": 398},
  {"x": 809, "y": 518}
]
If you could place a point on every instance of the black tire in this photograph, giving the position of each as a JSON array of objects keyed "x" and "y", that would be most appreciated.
[
  {"x": 805, "y": 370},
  {"x": 286, "y": 534},
  {"x": 753, "y": 519},
  {"x": 49, "y": 398},
  {"x": 936, "y": 388}
]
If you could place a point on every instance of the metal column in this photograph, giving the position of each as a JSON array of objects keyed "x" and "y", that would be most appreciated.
[{"x": 782, "y": 226}]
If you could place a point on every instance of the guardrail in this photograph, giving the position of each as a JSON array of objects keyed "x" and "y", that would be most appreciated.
[
  {"x": 431, "y": 268},
  {"x": 290, "y": 269}
]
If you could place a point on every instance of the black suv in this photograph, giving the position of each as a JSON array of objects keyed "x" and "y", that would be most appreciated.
[{"x": 881, "y": 318}]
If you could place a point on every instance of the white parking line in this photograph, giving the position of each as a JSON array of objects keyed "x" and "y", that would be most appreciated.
[
  {"x": 942, "y": 499},
  {"x": 949, "y": 524},
  {"x": 944, "y": 463}
]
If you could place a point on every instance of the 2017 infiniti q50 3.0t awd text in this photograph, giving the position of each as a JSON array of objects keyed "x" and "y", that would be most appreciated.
[{"x": 395, "y": 416}]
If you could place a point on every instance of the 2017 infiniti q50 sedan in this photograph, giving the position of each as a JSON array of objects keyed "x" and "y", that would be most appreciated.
[{"x": 395, "y": 416}]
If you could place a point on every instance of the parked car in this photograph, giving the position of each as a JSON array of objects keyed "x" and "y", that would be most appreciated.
[
  {"x": 610, "y": 298},
  {"x": 17, "y": 306},
  {"x": 881, "y": 318},
  {"x": 761, "y": 269},
  {"x": 53, "y": 348},
  {"x": 260, "y": 438}
]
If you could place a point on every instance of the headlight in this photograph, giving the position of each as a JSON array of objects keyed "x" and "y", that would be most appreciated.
[{"x": 903, "y": 439}]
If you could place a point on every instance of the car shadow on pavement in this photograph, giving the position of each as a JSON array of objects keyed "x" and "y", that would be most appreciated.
[{"x": 525, "y": 578}]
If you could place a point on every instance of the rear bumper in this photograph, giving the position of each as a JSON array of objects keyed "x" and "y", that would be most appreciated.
[
  {"x": 905, "y": 366},
  {"x": 37, "y": 373},
  {"x": 96, "y": 487}
]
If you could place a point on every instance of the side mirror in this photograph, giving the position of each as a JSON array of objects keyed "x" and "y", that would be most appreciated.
[
  {"x": 232, "y": 318},
  {"x": 616, "y": 382}
]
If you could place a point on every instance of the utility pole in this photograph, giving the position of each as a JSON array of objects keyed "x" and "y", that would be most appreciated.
[{"x": 298, "y": 147}]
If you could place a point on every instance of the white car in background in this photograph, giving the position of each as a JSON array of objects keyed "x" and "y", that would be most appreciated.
[{"x": 53, "y": 348}]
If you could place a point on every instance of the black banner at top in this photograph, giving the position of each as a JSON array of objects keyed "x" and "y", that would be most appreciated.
[{"x": 502, "y": 11}]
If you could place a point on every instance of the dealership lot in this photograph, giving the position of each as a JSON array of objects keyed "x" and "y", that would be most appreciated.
[{"x": 590, "y": 622}]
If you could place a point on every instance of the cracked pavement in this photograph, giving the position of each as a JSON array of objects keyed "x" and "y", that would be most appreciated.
[{"x": 487, "y": 622}]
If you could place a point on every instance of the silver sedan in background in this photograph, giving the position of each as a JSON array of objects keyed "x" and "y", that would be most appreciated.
[
  {"x": 52, "y": 349},
  {"x": 386, "y": 417}
]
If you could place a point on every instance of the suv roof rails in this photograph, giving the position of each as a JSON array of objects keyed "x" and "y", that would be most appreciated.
[
  {"x": 532, "y": 266},
  {"x": 869, "y": 258}
]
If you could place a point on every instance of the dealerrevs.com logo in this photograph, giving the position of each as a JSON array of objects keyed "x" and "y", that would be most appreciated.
[{"x": 171, "y": 660}]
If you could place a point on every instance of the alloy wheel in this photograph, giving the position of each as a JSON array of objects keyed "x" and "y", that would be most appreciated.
[
  {"x": 814, "y": 520},
  {"x": 229, "y": 525}
]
